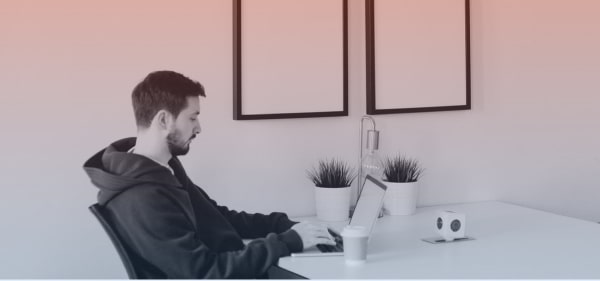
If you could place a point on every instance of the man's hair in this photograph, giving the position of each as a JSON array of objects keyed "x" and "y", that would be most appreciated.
[{"x": 166, "y": 90}]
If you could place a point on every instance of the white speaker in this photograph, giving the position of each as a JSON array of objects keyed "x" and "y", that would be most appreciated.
[{"x": 451, "y": 225}]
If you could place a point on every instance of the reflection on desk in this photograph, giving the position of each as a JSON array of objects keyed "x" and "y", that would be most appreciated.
[{"x": 511, "y": 242}]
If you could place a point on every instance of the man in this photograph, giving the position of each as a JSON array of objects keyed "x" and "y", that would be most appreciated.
[{"x": 164, "y": 218}]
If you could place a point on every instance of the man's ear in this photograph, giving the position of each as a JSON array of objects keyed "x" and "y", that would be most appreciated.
[{"x": 163, "y": 119}]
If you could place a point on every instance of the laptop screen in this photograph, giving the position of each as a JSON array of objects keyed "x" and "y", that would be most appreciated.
[{"x": 369, "y": 204}]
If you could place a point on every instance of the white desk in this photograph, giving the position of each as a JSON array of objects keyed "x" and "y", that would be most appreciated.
[{"x": 511, "y": 242}]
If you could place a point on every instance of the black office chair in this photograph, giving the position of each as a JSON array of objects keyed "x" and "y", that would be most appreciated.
[
  {"x": 99, "y": 213},
  {"x": 136, "y": 267}
]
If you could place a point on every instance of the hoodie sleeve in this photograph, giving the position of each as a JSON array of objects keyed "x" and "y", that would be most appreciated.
[
  {"x": 251, "y": 226},
  {"x": 177, "y": 251}
]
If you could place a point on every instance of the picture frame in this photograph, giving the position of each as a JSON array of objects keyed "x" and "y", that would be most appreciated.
[
  {"x": 290, "y": 59},
  {"x": 417, "y": 56}
]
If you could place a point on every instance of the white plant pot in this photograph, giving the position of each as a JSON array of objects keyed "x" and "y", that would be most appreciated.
[
  {"x": 332, "y": 204},
  {"x": 400, "y": 198}
]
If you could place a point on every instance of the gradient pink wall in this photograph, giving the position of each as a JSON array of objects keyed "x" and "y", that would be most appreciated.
[{"x": 67, "y": 69}]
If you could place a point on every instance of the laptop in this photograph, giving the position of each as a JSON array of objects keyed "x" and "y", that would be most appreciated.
[{"x": 367, "y": 209}]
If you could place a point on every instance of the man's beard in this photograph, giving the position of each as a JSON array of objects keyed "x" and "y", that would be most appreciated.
[{"x": 176, "y": 145}]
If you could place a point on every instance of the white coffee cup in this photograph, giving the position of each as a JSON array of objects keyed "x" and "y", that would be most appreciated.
[{"x": 355, "y": 244}]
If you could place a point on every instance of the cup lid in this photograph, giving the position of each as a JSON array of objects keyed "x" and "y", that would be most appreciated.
[{"x": 354, "y": 231}]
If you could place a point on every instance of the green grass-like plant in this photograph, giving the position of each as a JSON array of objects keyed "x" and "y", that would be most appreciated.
[
  {"x": 401, "y": 169},
  {"x": 331, "y": 174}
]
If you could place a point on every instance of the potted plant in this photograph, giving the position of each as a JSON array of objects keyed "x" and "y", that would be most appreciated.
[
  {"x": 401, "y": 175},
  {"x": 332, "y": 180}
]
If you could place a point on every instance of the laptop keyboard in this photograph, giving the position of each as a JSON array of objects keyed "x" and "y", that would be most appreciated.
[{"x": 339, "y": 244}]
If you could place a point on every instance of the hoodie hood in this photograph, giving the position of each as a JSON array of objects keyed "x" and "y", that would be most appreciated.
[{"x": 114, "y": 170}]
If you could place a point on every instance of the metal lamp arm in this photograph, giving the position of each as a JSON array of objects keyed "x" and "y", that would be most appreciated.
[{"x": 360, "y": 156}]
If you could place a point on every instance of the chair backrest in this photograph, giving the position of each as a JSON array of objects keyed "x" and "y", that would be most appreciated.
[{"x": 126, "y": 257}]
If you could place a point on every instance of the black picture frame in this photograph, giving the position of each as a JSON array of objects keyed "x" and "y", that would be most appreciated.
[
  {"x": 240, "y": 94},
  {"x": 371, "y": 103}
]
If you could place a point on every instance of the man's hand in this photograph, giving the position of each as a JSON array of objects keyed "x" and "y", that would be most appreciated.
[{"x": 313, "y": 234}]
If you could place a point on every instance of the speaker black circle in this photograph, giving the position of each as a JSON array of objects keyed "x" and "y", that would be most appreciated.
[
  {"x": 440, "y": 223},
  {"x": 455, "y": 225}
]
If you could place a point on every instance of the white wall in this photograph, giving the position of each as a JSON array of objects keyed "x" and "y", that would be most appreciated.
[{"x": 67, "y": 68}]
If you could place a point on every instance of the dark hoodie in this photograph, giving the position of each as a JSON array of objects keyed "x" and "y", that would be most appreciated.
[{"x": 176, "y": 228}]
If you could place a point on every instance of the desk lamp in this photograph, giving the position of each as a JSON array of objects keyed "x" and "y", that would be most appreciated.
[{"x": 370, "y": 163}]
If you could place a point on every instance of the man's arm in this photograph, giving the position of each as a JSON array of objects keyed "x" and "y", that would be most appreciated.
[
  {"x": 158, "y": 230},
  {"x": 251, "y": 226}
]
